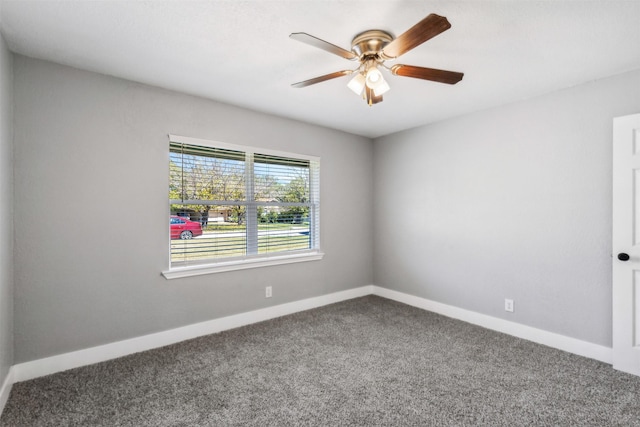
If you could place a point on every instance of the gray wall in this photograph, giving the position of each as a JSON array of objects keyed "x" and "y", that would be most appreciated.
[
  {"x": 91, "y": 166},
  {"x": 6, "y": 212},
  {"x": 511, "y": 202}
]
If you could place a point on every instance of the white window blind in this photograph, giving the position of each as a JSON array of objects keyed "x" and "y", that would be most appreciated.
[{"x": 240, "y": 202}]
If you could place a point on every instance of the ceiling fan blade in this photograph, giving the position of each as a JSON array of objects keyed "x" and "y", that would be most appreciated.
[
  {"x": 371, "y": 98},
  {"x": 321, "y": 44},
  {"x": 322, "y": 78},
  {"x": 424, "y": 30},
  {"x": 441, "y": 76}
]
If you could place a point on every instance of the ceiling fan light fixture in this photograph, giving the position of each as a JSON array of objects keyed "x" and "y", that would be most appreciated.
[
  {"x": 356, "y": 84},
  {"x": 381, "y": 88},
  {"x": 374, "y": 77}
]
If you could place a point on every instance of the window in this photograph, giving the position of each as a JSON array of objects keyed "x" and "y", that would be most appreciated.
[{"x": 239, "y": 207}]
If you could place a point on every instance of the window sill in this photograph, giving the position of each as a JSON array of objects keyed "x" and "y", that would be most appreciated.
[{"x": 221, "y": 267}]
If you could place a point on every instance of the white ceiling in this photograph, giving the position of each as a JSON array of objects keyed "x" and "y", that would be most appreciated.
[{"x": 239, "y": 52}]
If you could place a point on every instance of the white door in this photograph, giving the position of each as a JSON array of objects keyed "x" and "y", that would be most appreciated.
[{"x": 626, "y": 244}]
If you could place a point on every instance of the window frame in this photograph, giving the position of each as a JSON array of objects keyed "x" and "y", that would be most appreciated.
[{"x": 219, "y": 265}]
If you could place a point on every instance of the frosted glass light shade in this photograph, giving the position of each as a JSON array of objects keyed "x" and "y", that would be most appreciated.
[
  {"x": 382, "y": 87},
  {"x": 357, "y": 84},
  {"x": 374, "y": 77}
]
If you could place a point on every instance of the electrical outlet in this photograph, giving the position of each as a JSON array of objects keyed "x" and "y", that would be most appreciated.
[
  {"x": 268, "y": 292},
  {"x": 508, "y": 305}
]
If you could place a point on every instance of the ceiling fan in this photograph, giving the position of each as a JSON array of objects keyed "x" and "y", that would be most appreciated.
[{"x": 372, "y": 48}]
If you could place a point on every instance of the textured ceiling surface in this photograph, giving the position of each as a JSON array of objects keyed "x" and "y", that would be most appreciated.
[{"x": 239, "y": 52}]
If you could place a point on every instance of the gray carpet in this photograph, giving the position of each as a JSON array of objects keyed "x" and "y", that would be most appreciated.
[{"x": 363, "y": 362}]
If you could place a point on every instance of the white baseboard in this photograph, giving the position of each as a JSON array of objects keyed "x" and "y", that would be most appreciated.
[
  {"x": 50, "y": 365},
  {"x": 62, "y": 362},
  {"x": 5, "y": 389},
  {"x": 561, "y": 342}
]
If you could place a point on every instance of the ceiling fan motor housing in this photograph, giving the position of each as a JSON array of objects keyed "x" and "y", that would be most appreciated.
[{"x": 369, "y": 43}]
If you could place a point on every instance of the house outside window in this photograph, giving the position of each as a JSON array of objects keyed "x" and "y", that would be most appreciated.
[{"x": 234, "y": 206}]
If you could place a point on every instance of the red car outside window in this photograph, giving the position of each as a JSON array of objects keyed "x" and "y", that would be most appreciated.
[{"x": 184, "y": 228}]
